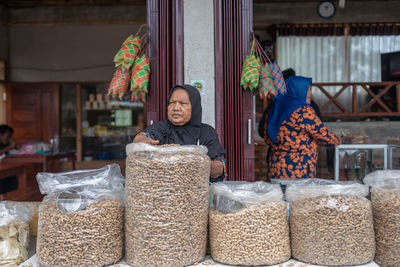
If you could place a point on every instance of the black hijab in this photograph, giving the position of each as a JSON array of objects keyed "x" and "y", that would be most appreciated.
[{"x": 193, "y": 132}]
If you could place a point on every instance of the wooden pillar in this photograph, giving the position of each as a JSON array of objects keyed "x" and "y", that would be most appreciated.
[
  {"x": 398, "y": 97},
  {"x": 234, "y": 106},
  {"x": 165, "y": 50}
]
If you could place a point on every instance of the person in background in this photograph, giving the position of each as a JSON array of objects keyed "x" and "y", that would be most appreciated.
[
  {"x": 183, "y": 126},
  {"x": 293, "y": 130},
  {"x": 287, "y": 73},
  {"x": 7, "y": 143}
]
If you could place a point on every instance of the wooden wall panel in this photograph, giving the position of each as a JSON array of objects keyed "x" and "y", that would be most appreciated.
[{"x": 32, "y": 110}]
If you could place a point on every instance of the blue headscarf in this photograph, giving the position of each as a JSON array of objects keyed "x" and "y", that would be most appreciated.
[{"x": 284, "y": 105}]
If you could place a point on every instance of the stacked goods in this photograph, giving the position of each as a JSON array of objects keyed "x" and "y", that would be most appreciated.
[
  {"x": 331, "y": 222},
  {"x": 248, "y": 224},
  {"x": 87, "y": 208},
  {"x": 166, "y": 204},
  {"x": 14, "y": 233},
  {"x": 385, "y": 197}
]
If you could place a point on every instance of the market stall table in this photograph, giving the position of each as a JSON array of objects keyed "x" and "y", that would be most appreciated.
[
  {"x": 11, "y": 170},
  {"x": 33, "y": 262},
  {"x": 207, "y": 261}
]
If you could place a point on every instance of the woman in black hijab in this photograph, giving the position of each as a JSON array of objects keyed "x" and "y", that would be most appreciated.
[{"x": 184, "y": 127}]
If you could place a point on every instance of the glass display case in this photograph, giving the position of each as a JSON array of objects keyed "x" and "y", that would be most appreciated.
[
  {"x": 107, "y": 125},
  {"x": 94, "y": 125},
  {"x": 354, "y": 161}
]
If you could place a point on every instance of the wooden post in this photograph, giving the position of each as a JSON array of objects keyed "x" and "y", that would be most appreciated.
[
  {"x": 78, "y": 123},
  {"x": 355, "y": 110},
  {"x": 3, "y": 98},
  {"x": 398, "y": 97}
]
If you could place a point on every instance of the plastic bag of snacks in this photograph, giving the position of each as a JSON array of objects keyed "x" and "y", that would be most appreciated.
[
  {"x": 87, "y": 206},
  {"x": 14, "y": 233},
  {"x": 248, "y": 224},
  {"x": 166, "y": 204},
  {"x": 331, "y": 222},
  {"x": 385, "y": 198}
]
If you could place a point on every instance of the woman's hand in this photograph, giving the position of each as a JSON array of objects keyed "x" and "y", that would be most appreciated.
[
  {"x": 217, "y": 167},
  {"x": 142, "y": 138}
]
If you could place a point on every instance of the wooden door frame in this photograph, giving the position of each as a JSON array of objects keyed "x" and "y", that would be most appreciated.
[
  {"x": 165, "y": 51},
  {"x": 241, "y": 165}
]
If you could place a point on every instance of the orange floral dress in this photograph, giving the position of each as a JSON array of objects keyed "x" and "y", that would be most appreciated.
[{"x": 295, "y": 153}]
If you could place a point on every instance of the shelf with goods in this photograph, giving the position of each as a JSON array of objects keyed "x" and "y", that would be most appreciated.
[
  {"x": 106, "y": 125},
  {"x": 94, "y": 125},
  {"x": 67, "y": 122}
]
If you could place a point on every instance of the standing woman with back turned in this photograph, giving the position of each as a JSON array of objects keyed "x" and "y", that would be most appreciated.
[
  {"x": 184, "y": 127},
  {"x": 293, "y": 130}
]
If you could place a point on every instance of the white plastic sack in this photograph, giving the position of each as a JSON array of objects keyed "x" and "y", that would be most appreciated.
[
  {"x": 231, "y": 196},
  {"x": 310, "y": 188},
  {"x": 87, "y": 206},
  {"x": 383, "y": 179},
  {"x": 248, "y": 224},
  {"x": 385, "y": 197},
  {"x": 106, "y": 182},
  {"x": 167, "y": 189},
  {"x": 14, "y": 232},
  {"x": 331, "y": 222}
]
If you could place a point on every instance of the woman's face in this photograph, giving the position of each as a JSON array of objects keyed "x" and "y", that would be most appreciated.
[
  {"x": 309, "y": 95},
  {"x": 179, "y": 108},
  {"x": 5, "y": 138}
]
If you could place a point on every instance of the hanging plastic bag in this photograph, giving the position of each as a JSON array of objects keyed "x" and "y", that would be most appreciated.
[
  {"x": 14, "y": 233},
  {"x": 140, "y": 79},
  {"x": 119, "y": 85},
  {"x": 251, "y": 73},
  {"x": 271, "y": 78},
  {"x": 266, "y": 87},
  {"x": 87, "y": 206},
  {"x": 127, "y": 54},
  {"x": 248, "y": 224},
  {"x": 250, "y": 76},
  {"x": 331, "y": 222},
  {"x": 385, "y": 198},
  {"x": 277, "y": 77}
]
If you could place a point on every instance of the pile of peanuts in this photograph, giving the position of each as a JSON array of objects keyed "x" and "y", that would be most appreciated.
[
  {"x": 92, "y": 236},
  {"x": 252, "y": 236},
  {"x": 332, "y": 230},
  {"x": 386, "y": 207},
  {"x": 166, "y": 207}
]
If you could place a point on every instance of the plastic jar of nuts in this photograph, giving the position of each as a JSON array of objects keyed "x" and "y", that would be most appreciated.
[
  {"x": 248, "y": 224},
  {"x": 81, "y": 219},
  {"x": 385, "y": 198},
  {"x": 166, "y": 204},
  {"x": 331, "y": 222}
]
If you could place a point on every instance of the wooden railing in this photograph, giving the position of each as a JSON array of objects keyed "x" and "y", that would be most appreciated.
[{"x": 370, "y": 109}]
